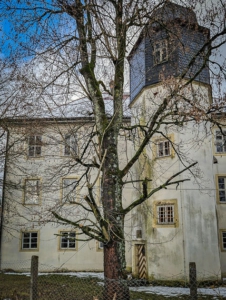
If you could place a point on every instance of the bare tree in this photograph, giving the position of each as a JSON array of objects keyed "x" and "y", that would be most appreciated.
[{"x": 83, "y": 46}]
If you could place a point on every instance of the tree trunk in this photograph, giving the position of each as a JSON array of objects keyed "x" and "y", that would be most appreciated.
[
  {"x": 114, "y": 272},
  {"x": 114, "y": 250}
]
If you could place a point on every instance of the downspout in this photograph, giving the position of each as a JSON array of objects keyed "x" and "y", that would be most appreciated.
[
  {"x": 3, "y": 197},
  {"x": 182, "y": 221}
]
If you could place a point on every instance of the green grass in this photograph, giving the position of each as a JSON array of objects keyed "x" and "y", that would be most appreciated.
[{"x": 64, "y": 287}]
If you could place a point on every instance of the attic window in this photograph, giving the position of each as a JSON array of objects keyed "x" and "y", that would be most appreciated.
[{"x": 160, "y": 52}]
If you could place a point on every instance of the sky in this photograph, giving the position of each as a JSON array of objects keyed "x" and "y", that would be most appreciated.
[{"x": 11, "y": 40}]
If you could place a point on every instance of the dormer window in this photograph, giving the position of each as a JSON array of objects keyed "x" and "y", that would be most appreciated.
[{"x": 160, "y": 51}]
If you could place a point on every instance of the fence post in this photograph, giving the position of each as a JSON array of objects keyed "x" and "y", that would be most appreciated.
[
  {"x": 34, "y": 278},
  {"x": 193, "y": 281}
]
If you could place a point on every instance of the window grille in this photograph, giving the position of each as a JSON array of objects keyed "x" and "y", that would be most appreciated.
[{"x": 165, "y": 214}]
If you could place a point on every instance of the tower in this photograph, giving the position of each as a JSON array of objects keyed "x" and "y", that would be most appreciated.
[
  {"x": 166, "y": 47},
  {"x": 178, "y": 225}
]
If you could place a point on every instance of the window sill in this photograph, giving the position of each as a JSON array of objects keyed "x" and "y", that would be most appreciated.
[
  {"x": 166, "y": 156},
  {"x": 174, "y": 225},
  {"x": 31, "y": 204},
  {"x": 160, "y": 63},
  {"x": 29, "y": 250},
  {"x": 34, "y": 157},
  {"x": 66, "y": 249}
]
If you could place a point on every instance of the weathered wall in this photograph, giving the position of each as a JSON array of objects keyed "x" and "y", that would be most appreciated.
[
  {"x": 219, "y": 169},
  {"x": 194, "y": 235},
  {"x": 50, "y": 168}
]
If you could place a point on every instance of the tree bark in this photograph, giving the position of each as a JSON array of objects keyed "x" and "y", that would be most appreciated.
[
  {"x": 114, "y": 250},
  {"x": 114, "y": 271}
]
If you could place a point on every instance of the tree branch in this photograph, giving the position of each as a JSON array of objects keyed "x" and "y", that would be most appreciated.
[{"x": 145, "y": 196}]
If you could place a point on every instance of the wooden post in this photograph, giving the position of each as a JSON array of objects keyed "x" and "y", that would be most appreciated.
[
  {"x": 193, "y": 281},
  {"x": 34, "y": 278}
]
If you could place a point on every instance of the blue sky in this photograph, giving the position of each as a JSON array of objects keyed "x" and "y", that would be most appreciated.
[{"x": 13, "y": 41}]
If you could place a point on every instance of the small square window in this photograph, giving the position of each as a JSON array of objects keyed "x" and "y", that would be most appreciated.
[
  {"x": 163, "y": 148},
  {"x": 29, "y": 240},
  {"x": 100, "y": 245},
  {"x": 34, "y": 146},
  {"x": 67, "y": 240},
  {"x": 222, "y": 189},
  {"x": 220, "y": 142},
  {"x": 32, "y": 191},
  {"x": 70, "y": 186},
  {"x": 165, "y": 214},
  {"x": 70, "y": 146},
  {"x": 160, "y": 51}
]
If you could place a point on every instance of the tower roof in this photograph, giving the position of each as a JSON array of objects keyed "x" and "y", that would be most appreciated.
[
  {"x": 172, "y": 12},
  {"x": 169, "y": 13}
]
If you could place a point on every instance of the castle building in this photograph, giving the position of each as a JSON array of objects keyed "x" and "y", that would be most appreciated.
[{"x": 177, "y": 225}]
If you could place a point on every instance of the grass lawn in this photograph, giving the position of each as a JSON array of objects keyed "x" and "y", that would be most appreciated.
[{"x": 64, "y": 287}]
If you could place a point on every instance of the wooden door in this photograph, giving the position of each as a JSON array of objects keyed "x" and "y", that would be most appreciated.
[{"x": 141, "y": 261}]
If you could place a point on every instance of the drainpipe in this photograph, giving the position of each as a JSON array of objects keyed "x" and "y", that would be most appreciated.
[
  {"x": 182, "y": 220},
  {"x": 3, "y": 196}
]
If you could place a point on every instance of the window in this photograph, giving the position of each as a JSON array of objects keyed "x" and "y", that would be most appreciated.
[
  {"x": 222, "y": 189},
  {"x": 99, "y": 246},
  {"x": 32, "y": 191},
  {"x": 29, "y": 240},
  {"x": 34, "y": 146},
  {"x": 220, "y": 142},
  {"x": 67, "y": 240},
  {"x": 223, "y": 240},
  {"x": 70, "y": 147},
  {"x": 163, "y": 148},
  {"x": 165, "y": 214},
  {"x": 160, "y": 52},
  {"x": 69, "y": 189}
]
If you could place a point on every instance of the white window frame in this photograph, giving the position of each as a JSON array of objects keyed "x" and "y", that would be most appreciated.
[
  {"x": 69, "y": 191},
  {"x": 160, "y": 51},
  {"x": 35, "y": 146},
  {"x": 163, "y": 148},
  {"x": 223, "y": 239},
  {"x": 163, "y": 214},
  {"x": 31, "y": 240},
  {"x": 220, "y": 141},
  {"x": 69, "y": 239},
  {"x": 32, "y": 191},
  {"x": 221, "y": 184},
  {"x": 70, "y": 144}
]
